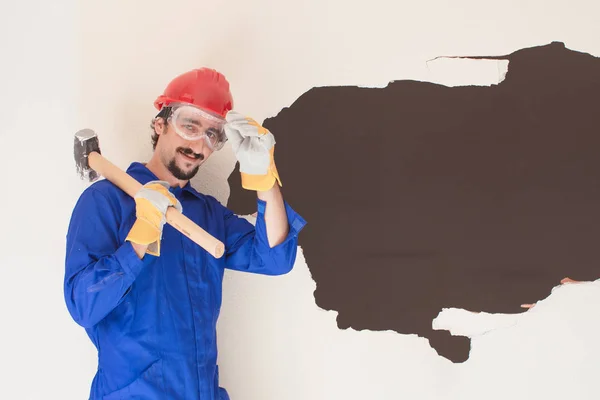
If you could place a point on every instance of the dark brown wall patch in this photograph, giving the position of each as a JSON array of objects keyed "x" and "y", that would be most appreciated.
[{"x": 420, "y": 197}]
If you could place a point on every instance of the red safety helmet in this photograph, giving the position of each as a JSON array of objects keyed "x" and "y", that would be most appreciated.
[{"x": 204, "y": 88}]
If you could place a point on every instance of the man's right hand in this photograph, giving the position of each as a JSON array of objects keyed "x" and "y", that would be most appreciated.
[
  {"x": 140, "y": 249},
  {"x": 152, "y": 202}
]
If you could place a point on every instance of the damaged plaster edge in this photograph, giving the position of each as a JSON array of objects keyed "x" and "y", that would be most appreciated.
[
  {"x": 456, "y": 71},
  {"x": 467, "y": 71},
  {"x": 460, "y": 322},
  {"x": 470, "y": 324},
  {"x": 448, "y": 71}
]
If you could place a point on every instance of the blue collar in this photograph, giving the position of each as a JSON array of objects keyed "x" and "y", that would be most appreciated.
[{"x": 143, "y": 175}]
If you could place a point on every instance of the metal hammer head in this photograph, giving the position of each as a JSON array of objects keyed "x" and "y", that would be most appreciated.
[{"x": 86, "y": 141}]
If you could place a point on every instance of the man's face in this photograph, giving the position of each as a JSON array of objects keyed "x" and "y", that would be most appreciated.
[{"x": 181, "y": 157}]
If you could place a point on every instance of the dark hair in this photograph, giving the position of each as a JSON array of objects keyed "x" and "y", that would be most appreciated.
[{"x": 164, "y": 113}]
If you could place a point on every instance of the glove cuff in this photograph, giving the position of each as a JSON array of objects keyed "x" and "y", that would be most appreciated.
[
  {"x": 144, "y": 232},
  {"x": 259, "y": 183},
  {"x": 262, "y": 183},
  {"x": 150, "y": 217}
]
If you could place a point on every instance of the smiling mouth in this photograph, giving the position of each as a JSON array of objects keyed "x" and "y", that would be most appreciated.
[{"x": 191, "y": 157}]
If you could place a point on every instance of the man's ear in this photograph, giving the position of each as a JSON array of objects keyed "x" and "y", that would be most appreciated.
[{"x": 159, "y": 125}]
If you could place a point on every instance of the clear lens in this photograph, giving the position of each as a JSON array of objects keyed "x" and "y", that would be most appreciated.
[{"x": 192, "y": 123}]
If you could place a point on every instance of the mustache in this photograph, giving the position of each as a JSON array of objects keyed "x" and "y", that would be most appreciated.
[{"x": 189, "y": 152}]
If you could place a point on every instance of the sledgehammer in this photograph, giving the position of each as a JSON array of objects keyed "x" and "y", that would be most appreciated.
[{"x": 91, "y": 165}]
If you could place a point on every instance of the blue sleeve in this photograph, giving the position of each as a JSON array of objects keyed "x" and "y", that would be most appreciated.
[
  {"x": 99, "y": 269},
  {"x": 247, "y": 247}
]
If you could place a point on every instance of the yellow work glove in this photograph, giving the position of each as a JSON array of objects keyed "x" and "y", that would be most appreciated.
[
  {"x": 151, "y": 204},
  {"x": 253, "y": 146}
]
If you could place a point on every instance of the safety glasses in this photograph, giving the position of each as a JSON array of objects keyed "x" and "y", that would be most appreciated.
[{"x": 192, "y": 123}]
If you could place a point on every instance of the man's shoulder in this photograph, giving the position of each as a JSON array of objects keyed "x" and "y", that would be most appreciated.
[
  {"x": 102, "y": 199},
  {"x": 107, "y": 188},
  {"x": 103, "y": 191}
]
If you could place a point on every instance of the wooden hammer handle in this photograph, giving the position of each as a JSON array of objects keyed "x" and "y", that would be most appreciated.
[{"x": 176, "y": 219}]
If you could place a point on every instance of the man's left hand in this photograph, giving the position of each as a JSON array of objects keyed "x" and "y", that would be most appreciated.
[{"x": 253, "y": 146}]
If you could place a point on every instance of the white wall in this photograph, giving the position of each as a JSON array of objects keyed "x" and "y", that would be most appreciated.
[{"x": 101, "y": 63}]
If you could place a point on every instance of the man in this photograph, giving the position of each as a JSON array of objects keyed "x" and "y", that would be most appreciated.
[{"x": 147, "y": 296}]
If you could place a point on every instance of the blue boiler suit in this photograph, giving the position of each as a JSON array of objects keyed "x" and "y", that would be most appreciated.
[{"x": 153, "y": 321}]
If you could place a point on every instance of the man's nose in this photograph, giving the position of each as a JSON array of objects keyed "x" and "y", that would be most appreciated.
[{"x": 198, "y": 146}]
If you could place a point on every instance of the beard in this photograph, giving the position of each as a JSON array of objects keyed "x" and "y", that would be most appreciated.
[{"x": 178, "y": 172}]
